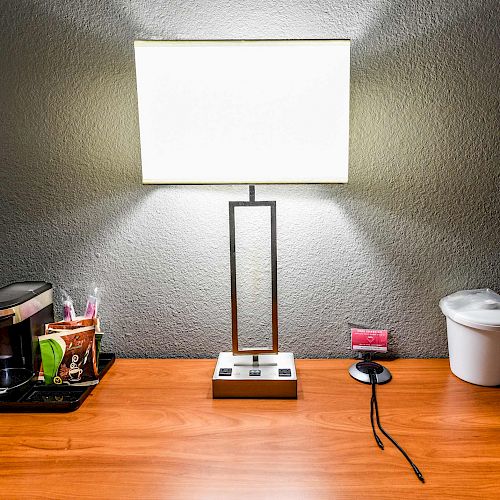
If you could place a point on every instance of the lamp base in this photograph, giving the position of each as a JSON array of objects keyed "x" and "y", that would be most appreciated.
[{"x": 270, "y": 376}]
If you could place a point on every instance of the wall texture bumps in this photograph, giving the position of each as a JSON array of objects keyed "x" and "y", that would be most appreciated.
[{"x": 418, "y": 220}]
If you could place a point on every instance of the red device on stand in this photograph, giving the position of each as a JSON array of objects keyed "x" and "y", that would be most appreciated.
[{"x": 367, "y": 341}]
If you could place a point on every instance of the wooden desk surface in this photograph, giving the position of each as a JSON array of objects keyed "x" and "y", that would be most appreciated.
[{"x": 152, "y": 430}]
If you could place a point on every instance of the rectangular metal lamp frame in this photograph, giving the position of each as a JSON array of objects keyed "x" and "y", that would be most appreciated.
[{"x": 274, "y": 275}]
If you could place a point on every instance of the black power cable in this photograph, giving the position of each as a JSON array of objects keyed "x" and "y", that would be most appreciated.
[
  {"x": 374, "y": 405},
  {"x": 375, "y": 435}
]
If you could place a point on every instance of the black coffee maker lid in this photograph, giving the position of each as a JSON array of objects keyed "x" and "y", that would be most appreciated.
[{"x": 17, "y": 293}]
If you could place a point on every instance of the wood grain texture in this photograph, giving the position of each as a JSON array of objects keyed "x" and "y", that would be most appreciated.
[{"x": 152, "y": 430}]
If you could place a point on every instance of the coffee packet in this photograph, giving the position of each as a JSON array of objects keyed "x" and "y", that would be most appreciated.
[{"x": 69, "y": 353}]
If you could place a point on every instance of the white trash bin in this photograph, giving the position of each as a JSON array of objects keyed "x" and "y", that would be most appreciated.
[{"x": 473, "y": 323}]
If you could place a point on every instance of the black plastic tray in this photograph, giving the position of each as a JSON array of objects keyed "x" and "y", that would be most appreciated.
[{"x": 53, "y": 398}]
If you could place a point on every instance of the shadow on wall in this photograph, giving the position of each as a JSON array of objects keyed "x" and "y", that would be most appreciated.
[
  {"x": 424, "y": 184},
  {"x": 70, "y": 158},
  {"x": 71, "y": 167},
  {"x": 69, "y": 99}
]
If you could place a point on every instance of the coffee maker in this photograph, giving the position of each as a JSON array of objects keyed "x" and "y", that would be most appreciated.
[{"x": 25, "y": 307}]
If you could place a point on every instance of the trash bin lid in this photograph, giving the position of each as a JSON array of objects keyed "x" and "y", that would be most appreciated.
[{"x": 475, "y": 308}]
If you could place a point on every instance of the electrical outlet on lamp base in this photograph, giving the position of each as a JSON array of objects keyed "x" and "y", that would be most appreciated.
[{"x": 255, "y": 376}]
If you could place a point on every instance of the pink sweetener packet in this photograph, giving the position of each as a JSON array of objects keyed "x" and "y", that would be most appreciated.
[{"x": 92, "y": 303}]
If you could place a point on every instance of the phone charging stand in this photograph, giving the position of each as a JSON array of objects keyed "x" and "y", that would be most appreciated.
[{"x": 361, "y": 372}]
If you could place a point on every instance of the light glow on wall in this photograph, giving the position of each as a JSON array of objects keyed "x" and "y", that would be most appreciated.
[{"x": 243, "y": 111}]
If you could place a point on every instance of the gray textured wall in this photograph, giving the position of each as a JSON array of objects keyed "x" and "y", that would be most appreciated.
[{"x": 418, "y": 220}]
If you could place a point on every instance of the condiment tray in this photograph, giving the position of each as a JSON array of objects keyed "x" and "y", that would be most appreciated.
[{"x": 41, "y": 398}]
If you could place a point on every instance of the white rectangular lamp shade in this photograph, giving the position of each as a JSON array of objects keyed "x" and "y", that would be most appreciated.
[{"x": 248, "y": 112}]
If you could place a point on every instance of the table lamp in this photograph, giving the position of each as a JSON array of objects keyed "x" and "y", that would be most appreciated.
[{"x": 245, "y": 112}]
